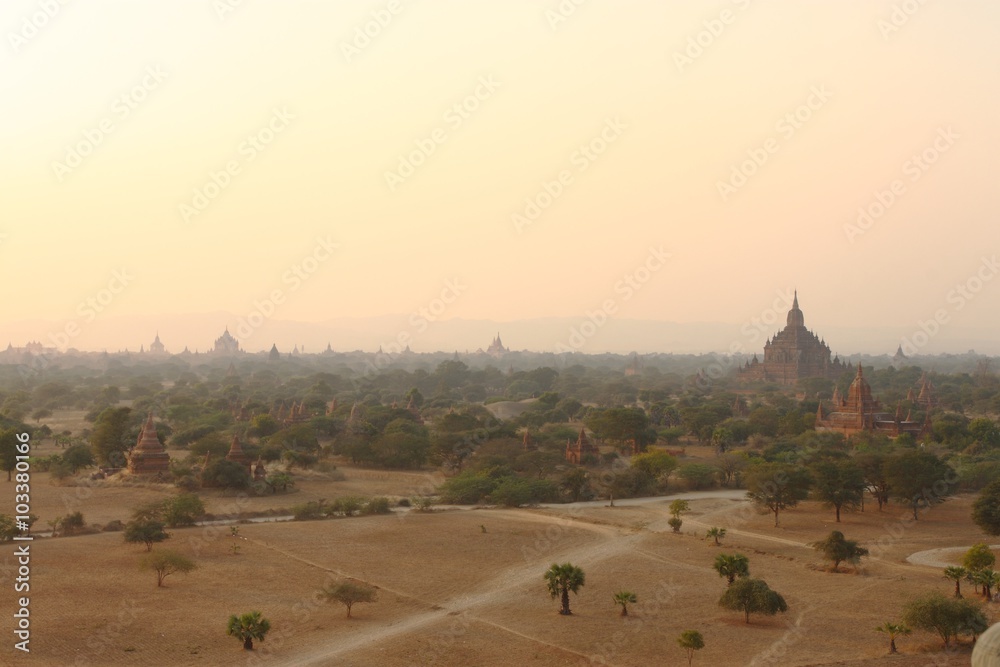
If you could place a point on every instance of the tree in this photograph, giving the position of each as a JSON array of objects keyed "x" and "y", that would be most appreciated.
[
  {"x": 698, "y": 475},
  {"x": 919, "y": 478},
  {"x": 563, "y": 580},
  {"x": 165, "y": 563},
  {"x": 978, "y": 557},
  {"x": 248, "y": 627},
  {"x": 77, "y": 457},
  {"x": 985, "y": 511},
  {"x": 839, "y": 549},
  {"x": 145, "y": 531},
  {"x": 183, "y": 510},
  {"x": 350, "y": 593},
  {"x": 893, "y": 630},
  {"x": 839, "y": 484},
  {"x": 624, "y": 598},
  {"x": 8, "y": 451},
  {"x": 575, "y": 482},
  {"x": 956, "y": 574},
  {"x": 691, "y": 641},
  {"x": 732, "y": 566},
  {"x": 657, "y": 464},
  {"x": 111, "y": 436},
  {"x": 988, "y": 579},
  {"x": 777, "y": 486},
  {"x": 873, "y": 470},
  {"x": 949, "y": 617},
  {"x": 676, "y": 507},
  {"x": 752, "y": 596},
  {"x": 716, "y": 533}
]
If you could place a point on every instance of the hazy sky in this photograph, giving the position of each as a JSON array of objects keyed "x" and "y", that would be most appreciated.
[{"x": 371, "y": 175}]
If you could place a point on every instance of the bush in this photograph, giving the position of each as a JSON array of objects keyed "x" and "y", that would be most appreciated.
[
  {"x": 403, "y": 502},
  {"x": 347, "y": 505},
  {"x": 314, "y": 509},
  {"x": 225, "y": 474},
  {"x": 467, "y": 488},
  {"x": 72, "y": 523},
  {"x": 518, "y": 491},
  {"x": 378, "y": 505},
  {"x": 675, "y": 523}
]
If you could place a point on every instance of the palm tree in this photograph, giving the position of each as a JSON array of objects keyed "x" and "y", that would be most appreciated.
[
  {"x": 248, "y": 627},
  {"x": 956, "y": 574},
  {"x": 731, "y": 566},
  {"x": 988, "y": 579},
  {"x": 893, "y": 630},
  {"x": 624, "y": 598},
  {"x": 561, "y": 581},
  {"x": 716, "y": 533}
]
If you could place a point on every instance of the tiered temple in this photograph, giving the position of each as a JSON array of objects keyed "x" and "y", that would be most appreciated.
[
  {"x": 860, "y": 411},
  {"x": 148, "y": 457},
  {"x": 795, "y": 353},
  {"x": 582, "y": 451}
]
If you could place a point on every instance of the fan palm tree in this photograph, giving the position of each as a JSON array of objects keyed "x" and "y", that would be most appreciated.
[
  {"x": 893, "y": 630},
  {"x": 561, "y": 581},
  {"x": 731, "y": 566},
  {"x": 956, "y": 574},
  {"x": 248, "y": 627},
  {"x": 624, "y": 598},
  {"x": 716, "y": 533}
]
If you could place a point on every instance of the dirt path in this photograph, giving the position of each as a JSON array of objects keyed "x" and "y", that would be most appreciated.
[
  {"x": 935, "y": 557},
  {"x": 505, "y": 584}
]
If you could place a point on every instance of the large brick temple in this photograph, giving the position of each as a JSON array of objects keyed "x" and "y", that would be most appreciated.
[{"x": 793, "y": 354}]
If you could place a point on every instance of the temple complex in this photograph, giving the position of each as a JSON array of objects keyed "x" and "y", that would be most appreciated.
[
  {"x": 860, "y": 411},
  {"x": 148, "y": 456},
  {"x": 496, "y": 348},
  {"x": 582, "y": 451},
  {"x": 793, "y": 354},
  {"x": 226, "y": 344},
  {"x": 156, "y": 347}
]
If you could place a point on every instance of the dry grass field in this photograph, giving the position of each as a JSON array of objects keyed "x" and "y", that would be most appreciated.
[{"x": 464, "y": 588}]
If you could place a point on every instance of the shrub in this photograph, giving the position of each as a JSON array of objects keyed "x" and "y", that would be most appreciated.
[
  {"x": 314, "y": 509},
  {"x": 379, "y": 505}
]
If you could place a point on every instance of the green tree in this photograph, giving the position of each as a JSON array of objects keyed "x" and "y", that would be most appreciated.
[
  {"x": 988, "y": 579},
  {"x": 350, "y": 593},
  {"x": 985, "y": 510},
  {"x": 839, "y": 549},
  {"x": 111, "y": 437},
  {"x": 184, "y": 510},
  {"x": 575, "y": 482},
  {"x": 839, "y": 484},
  {"x": 919, "y": 478},
  {"x": 979, "y": 557},
  {"x": 145, "y": 531},
  {"x": 78, "y": 457},
  {"x": 777, "y": 486},
  {"x": 949, "y": 617},
  {"x": 165, "y": 563},
  {"x": 248, "y": 627},
  {"x": 752, "y": 596},
  {"x": 698, "y": 475},
  {"x": 893, "y": 630},
  {"x": 873, "y": 470},
  {"x": 8, "y": 451},
  {"x": 657, "y": 464},
  {"x": 691, "y": 641},
  {"x": 732, "y": 566},
  {"x": 562, "y": 580},
  {"x": 716, "y": 533},
  {"x": 624, "y": 598},
  {"x": 225, "y": 474},
  {"x": 956, "y": 574}
]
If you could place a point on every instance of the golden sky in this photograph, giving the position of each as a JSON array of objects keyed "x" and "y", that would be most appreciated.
[{"x": 352, "y": 158}]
